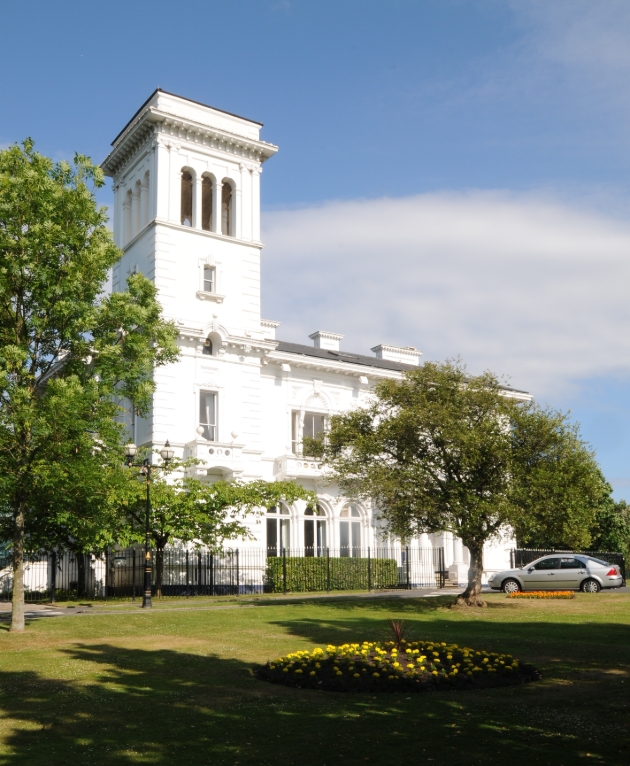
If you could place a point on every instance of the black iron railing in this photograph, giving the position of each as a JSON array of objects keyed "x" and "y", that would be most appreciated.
[{"x": 178, "y": 571}]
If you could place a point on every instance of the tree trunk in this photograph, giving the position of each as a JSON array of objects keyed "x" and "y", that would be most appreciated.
[
  {"x": 159, "y": 570},
  {"x": 472, "y": 595},
  {"x": 17, "y": 614}
]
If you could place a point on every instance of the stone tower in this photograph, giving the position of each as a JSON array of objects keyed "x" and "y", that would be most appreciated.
[{"x": 186, "y": 182}]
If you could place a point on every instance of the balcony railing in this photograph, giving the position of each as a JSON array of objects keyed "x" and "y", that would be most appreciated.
[
  {"x": 224, "y": 456},
  {"x": 297, "y": 467}
]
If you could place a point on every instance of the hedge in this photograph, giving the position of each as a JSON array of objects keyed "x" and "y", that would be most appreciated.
[{"x": 320, "y": 573}]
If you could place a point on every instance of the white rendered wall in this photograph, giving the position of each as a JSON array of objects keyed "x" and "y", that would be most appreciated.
[{"x": 256, "y": 391}]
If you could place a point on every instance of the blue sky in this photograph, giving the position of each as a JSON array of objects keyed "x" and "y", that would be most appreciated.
[{"x": 451, "y": 175}]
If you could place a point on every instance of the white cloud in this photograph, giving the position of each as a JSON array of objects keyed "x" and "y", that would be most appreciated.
[{"x": 524, "y": 285}]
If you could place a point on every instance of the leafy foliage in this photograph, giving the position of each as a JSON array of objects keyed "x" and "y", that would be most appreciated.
[
  {"x": 188, "y": 510},
  {"x": 443, "y": 450},
  {"x": 313, "y": 573},
  {"x": 67, "y": 352}
]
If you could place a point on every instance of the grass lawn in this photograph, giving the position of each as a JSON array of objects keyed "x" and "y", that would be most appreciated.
[{"x": 175, "y": 686}]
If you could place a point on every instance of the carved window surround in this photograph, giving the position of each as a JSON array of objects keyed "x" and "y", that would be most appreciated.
[{"x": 204, "y": 296}]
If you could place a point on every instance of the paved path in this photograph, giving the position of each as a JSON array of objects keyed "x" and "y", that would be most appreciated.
[{"x": 37, "y": 611}]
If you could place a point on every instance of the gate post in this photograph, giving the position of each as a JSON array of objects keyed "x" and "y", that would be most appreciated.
[
  {"x": 53, "y": 578},
  {"x": 238, "y": 575},
  {"x": 407, "y": 566},
  {"x": 133, "y": 574},
  {"x": 106, "y": 570},
  {"x": 328, "y": 570},
  {"x": 369, "y": 569},
  {"x": 187, "y": 576},
  {"x": 284, "y": 571}
]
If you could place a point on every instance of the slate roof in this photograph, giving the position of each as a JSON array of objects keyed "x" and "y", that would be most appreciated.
[
  {"x": 346, "y": 356},
  {"x": 342, "y": 356}
]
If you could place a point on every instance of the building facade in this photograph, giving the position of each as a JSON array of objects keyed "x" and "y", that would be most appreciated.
[{"x": 186, "y": 181}]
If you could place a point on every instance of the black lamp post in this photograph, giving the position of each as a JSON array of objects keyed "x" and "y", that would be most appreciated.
[{"x": 166, "y": 453}]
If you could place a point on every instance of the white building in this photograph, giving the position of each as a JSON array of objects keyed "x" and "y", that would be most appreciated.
[{"x": 187, "y": 215}]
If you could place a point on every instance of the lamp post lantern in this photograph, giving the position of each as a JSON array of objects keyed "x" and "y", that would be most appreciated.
[{"x": 166, "y": 453}]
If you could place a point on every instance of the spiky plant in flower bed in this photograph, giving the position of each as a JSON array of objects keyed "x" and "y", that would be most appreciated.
[{"x": 382, "y": 666}]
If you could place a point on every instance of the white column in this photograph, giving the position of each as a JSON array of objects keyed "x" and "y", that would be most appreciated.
[
  {"x": 246, "y": 202},
  {"x": 196, "y": 221},
  {"x": 256, "y": 204},
  {"x": 216, "y": 205},
  {"x": 135, "y": 209},
  {"x": 237, "y": 211},
  {"x": 447, "y": 538},
  {"x": 162, "y": 181},
  {"x": 127, "y": 218},
  {"x": 458, "y": 570}
]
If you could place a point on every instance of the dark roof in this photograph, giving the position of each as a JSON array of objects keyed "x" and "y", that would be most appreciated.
[
  {"x": 192, "y": 101},
  {"x": 346, "y": 356},
  {"x": 342, "y": 356}
]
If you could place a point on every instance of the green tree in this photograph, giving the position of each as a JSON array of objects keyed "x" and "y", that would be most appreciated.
[
  {"x": 68, "y": 353},
  {"x": 189, "y": 510},
  {"x": 611, "y": 531},
  {"x": 444, "y": 450}
]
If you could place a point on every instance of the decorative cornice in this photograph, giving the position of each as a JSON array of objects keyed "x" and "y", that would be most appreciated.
[
  {"x": 172, "y": 129},
  {"x": 234, "y": 342},
  {"x": 324, "y": 365},
  {"x": 200, "y": 232}
]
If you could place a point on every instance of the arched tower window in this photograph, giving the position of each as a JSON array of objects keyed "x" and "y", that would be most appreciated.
[
  {"x": 350, "y": 531},
  {"x": 315, "y": 531},
  {"x": 207, "y": 347},
  {"x": 278, "y": 529},
  {"x": 187, "y": 199},
  {"x": 226, "y": 209},
  {"x": 206, "y": 203}
]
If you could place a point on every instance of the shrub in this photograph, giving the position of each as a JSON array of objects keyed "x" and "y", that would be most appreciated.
[
  {"x": 416, "y": 666},
  {"x": 312, "y": 573},
  {"x": 542, "y": 594}
]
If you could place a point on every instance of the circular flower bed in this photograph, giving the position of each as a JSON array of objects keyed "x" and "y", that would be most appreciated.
[
  {"x": 542, "y": 594},
  {"x": 414, "y": 666}
]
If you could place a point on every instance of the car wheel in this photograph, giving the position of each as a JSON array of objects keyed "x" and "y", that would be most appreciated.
[
  {"x": 590, "y": 586},
  {"x": 511, "y": 586}
]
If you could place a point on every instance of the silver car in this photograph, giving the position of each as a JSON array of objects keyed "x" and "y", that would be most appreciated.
[{"x": 559, "y": 572}]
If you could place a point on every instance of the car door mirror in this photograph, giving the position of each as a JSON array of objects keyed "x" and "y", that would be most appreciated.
[{"x": 530, "y": 570}]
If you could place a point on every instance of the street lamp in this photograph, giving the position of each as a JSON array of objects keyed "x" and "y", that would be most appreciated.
[{"x": 166, "y": 453}]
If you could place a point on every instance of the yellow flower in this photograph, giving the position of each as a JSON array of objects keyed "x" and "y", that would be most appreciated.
[
  {"x": 299, "y": 671},
  {"x": 376, "y": 675},
  {"x": 357, "y": 675},
  {"x": 285, "y": 670},
  {"x": 434, "y": 673}
]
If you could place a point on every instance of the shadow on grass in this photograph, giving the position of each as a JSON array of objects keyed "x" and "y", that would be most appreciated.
[{"x": 121, "y": 705}]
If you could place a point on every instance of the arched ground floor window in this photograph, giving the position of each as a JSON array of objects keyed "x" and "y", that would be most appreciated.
[
  {"x": 315, "y": 532},
  {"x": 350, "y": 531},
  {"x": 278, "y": 530}
]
